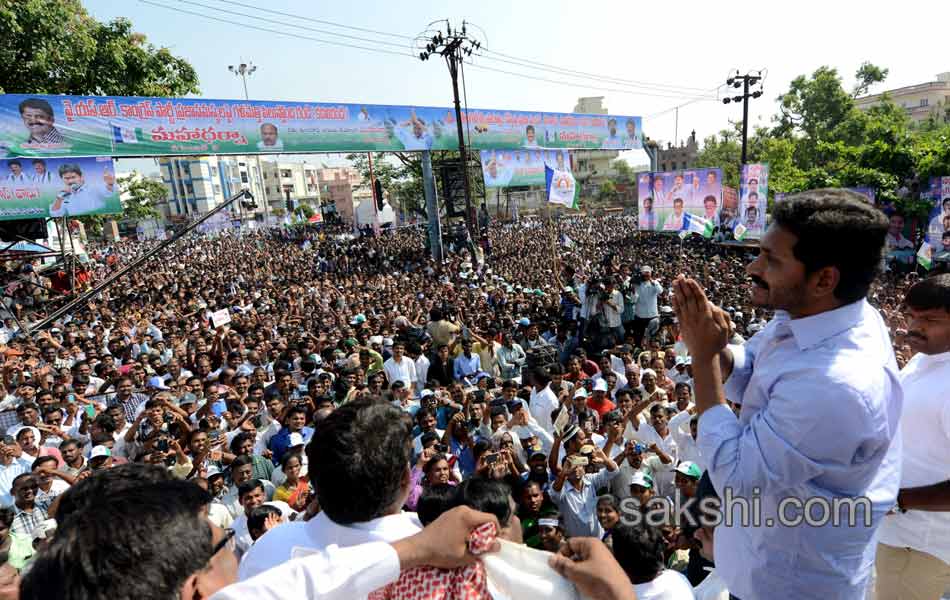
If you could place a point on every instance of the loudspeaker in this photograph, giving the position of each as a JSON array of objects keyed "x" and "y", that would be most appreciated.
[{"x": 31, "y": 229}]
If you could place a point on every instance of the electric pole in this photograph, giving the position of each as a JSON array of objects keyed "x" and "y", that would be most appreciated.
[
  {"x": 744, "y": 82},
  {"x": 454, "y": 46},
  {"x": 245, "y": 70}
]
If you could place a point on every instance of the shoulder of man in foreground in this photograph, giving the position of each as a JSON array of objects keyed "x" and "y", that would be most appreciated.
[{"x": 273, "y": 548}]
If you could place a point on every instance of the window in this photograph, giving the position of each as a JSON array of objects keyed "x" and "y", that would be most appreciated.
[
  {"x": 265, "y": 174},
  {"x": 190, "y": 188},
  {"x": 240, "y": 164},
  {"x": 214, "y": 171},
  {"x": 673, "y": 166},
  {"x": 217, "y": 189},
  {"x": 285, "y": 173},
  {"x": 924, "y": 101},
  {"x": 243, "y": 176}
]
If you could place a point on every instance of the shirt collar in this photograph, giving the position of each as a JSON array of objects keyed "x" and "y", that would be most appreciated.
[{"x": 812, "y": 331}]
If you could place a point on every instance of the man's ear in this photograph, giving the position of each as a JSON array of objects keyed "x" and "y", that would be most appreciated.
[{"x": 189, "y": 589}]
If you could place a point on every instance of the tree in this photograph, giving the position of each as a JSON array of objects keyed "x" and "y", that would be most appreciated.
[
  {"x": 141, "y": 195},
  {"x": 608, "y": 191},
  {"x": 624, "y": 171},
  {"x": 305, "y": 211},
  {"x": 866, "y": 76},
  {"x": 56, "y": 47},
  {"x": 725, "y": 151}
]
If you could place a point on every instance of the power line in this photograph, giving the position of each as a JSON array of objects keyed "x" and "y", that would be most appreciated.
[
  {"x": 633, "y": 82},
  {"x": 584, "y": 85},
  {"x": 313, "y": 20},
  {"x": 275, "y": 31},
  {"x": 304, "y": 27},
  {"x": 300, "y": 36},
  {"x": 682, "y": 91}
]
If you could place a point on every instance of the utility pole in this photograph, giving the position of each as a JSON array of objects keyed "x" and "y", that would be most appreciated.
[
  {"x": 744, "y": 82},
  {"x": 245, "y": 70},
  {"x": 454, "y": 46}
]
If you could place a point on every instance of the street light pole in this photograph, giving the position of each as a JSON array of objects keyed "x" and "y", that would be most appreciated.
[
  {"x": 245, "y": 70},
  {"x": 454, "y": 46},
  {"x": 744, "y": 81}
]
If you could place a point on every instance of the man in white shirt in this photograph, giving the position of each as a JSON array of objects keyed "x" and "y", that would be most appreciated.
[
  {"x": 575, "y": 492},
  {"x": 543, "y": 401},
  {"x": 360, "y": 501},
  {"x": 913, "y": 556},
  {"x": 400, "y": 367},
  {"x": 647, "y": 308}
]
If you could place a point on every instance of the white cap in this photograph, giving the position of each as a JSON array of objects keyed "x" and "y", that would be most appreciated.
[
  {"x": 426, "y": 393},
  {"x": 99, "y": 452},
  {"x": 642, "y": 479},
  {"x": 548, "y": 523},
  {"x": 600, "y": 385},
  {"x": 295, "y": 440},
  {"x": 157, "y": 382},
  {"x": 376, "y": 339},
  {"x": 646, "y": 269}
]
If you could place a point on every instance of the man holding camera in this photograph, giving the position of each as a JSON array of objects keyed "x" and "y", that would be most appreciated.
[{"x": 577, "y": 500}]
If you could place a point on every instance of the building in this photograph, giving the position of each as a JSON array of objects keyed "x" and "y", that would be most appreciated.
[
  {"x": 678, "y": 158},
  {"x": 920, "y": 101},
  {"x": 342, "y": 189},
  {"x": 290, "y": 182},
  {"x": 592, "y": 167},
  {"x": 198, "y": 184}
]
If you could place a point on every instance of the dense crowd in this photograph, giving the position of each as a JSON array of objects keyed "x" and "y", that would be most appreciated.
[{"x": 542, "y": 379}]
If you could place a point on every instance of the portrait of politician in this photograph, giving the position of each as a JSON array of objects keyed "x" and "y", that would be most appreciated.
[
  {"x": 270, "y": 142},
  {"x": 80, "y": 197},
  {"x": 38, "y": 118}
]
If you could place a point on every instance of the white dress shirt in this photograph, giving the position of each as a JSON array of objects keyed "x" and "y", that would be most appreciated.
[
  {"x": 686, "y": 447},
  {"x": 925, "y": 421},
  {"x": 283, "y": 543},
  {"x": 332, "y": 574},
  {"x": 541, "y": 405},
  {"x": 821, "y": 403},
  {"x": 404, "y": 371}
]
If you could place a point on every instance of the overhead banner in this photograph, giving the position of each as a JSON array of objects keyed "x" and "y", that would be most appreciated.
[
  {"x": 753, "y": 200},
  {"x": 665, "y": 198},
  {"x": 938, "y": 222},
  {"x": 142, "y": 126},
  {"x": 514, "y": 168},
  {"x": 35, "y": 188}
]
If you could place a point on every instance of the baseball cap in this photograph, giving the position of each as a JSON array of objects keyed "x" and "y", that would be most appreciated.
[
  {"x": 690, "y": 469},
  {"x": 358, "y": 319},
  {"x": 100, "y": 452},
  {"x": 642, "y": 479},
  {"x": 376, "y": 339},
  {"x": 187, "y": 398},
  {"x": 580, "y": 393},
  {"x": 612, "y": 416},
  {"x": 646, "y": 269},
  {"x": 524, "y": 322},
  {"x": 213, "y": 471},
  {"x": 295, "y": 440},
  {"x": 600, "y": 385},
  {"x": 426, "y": 393}
]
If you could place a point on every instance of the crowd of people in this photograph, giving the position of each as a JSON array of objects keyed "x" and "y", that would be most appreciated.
[{"x": 301, "y": 391}]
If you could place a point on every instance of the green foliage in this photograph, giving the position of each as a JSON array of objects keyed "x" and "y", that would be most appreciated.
[
  {"x": 608, "y": 191},
  {"x": 820, "y": 139},
  {"x": 141, "y": 197},
  {"x": 624, "y": 171},
  {"x": 56, "y": 47},
  {"x": 305, "y": 211}
]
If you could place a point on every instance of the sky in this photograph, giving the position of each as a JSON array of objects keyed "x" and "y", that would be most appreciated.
[{"x": 655, "y": 56}]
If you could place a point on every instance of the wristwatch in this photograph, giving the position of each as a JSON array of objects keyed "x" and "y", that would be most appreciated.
[{"x": 898, "y": 507}]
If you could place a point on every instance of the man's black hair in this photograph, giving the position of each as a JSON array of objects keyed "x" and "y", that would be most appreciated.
[
  {"x": 485, "y": 495},
  {"x": 930, "y": 293},
  {"x": 639, "y": 551},
  {"x": 836, "y": 228},
  {"x": 255, "y": 522},
  {"x": 38, "y": 104},
  {"x": 240, "y": 439},
  {"x": 140, "y": 540},
  {"x": 70, "y": 168},
  {"x": 240, "y": 461},
  {"x": 249, "y": 486},
  {"x": 358, "y": 458},
  {"x": 434, "y": 501}
]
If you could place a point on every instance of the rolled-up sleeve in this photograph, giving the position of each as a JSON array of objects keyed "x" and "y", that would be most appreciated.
[
  {"x": 743, "y": 357},
  {"x": 333, "y": 574}
]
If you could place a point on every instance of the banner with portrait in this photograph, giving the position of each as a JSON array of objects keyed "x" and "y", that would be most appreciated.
[
  {"x": 45, "y": 126},
  {"x": 35, "y": 188},
  {"x": 513, "y": 168},
  {"x": 753, "y": 200},
  {"x": 666, "y": 197},
  {"x": 938, "y": 221}
]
